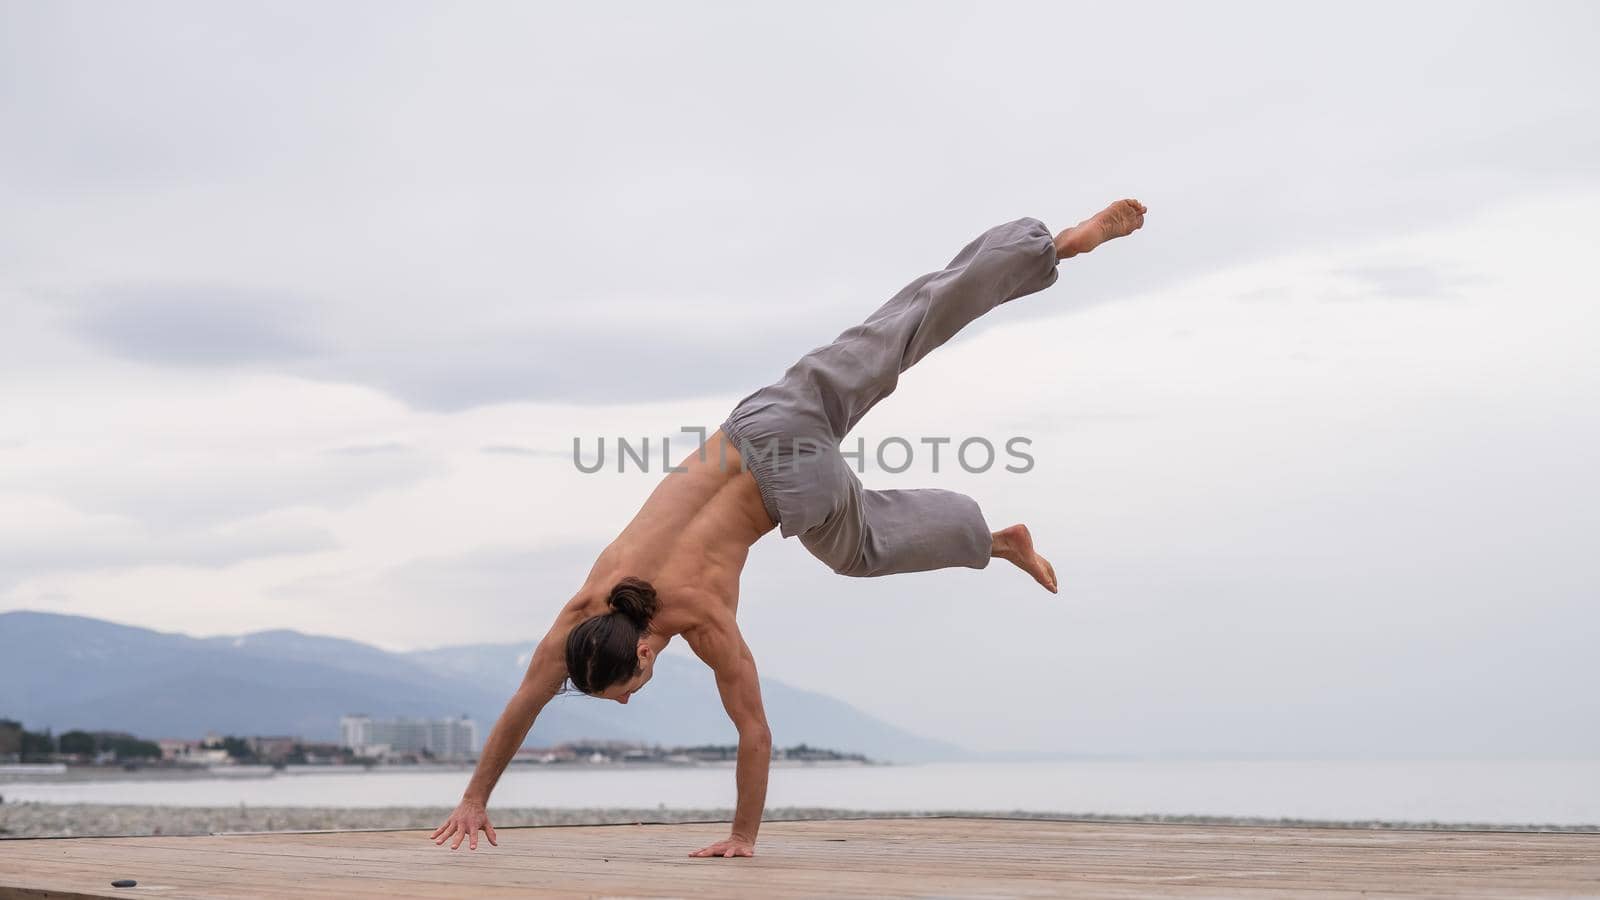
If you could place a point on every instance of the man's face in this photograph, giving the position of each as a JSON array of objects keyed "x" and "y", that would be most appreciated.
[{"x": 622, "y": 691}]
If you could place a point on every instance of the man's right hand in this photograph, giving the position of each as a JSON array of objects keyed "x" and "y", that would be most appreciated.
[
  {"x": 463, "y": 824},
  {"x": 545, "y": 673}
]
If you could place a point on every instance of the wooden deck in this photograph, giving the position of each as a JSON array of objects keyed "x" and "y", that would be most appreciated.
[{"x": 837, "y": 858}]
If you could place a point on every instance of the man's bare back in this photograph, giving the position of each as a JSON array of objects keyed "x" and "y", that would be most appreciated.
[
  {"x": 690, "y": 540},
  {"x": 688, "y": 544}
]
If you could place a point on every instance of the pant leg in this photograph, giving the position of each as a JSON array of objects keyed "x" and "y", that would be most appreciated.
[
  {"x": 826, "y": 393},
  {"x": 788, "y": 432},
  {"x": 875, "y": 533}
]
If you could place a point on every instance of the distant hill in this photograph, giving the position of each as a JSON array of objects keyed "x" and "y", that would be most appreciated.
[{"x": 68, "y": 672}]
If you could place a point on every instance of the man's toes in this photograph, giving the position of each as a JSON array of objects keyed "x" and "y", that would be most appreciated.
[{"x": 1041, "y": 571}]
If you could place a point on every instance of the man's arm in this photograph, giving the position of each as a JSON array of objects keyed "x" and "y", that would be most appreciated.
[
  {"x": 723, "y": 649},
  {"x": 542, "y": 681}
]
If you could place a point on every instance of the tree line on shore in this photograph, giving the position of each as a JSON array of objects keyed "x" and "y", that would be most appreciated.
[{"x": 18, "y": 744}]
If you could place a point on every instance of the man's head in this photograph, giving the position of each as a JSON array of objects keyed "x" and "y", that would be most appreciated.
[{"x": 607, "y": 655}]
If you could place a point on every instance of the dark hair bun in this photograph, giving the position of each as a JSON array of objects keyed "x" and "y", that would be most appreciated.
[{"x": 636, "y": 600}]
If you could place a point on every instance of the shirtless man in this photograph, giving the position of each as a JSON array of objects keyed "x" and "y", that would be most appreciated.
[{"x": 775, "y": 462}]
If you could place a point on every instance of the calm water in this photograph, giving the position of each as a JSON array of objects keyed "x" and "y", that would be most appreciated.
[{"x": 1508, "y": 792}]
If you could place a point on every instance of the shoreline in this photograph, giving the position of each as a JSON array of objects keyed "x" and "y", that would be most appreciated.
[
  {"x": 38, "y": 820},
  {"x": 247, "y": 771}
]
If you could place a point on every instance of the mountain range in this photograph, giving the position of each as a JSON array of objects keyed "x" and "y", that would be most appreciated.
[{"x": 64, "y": 672}]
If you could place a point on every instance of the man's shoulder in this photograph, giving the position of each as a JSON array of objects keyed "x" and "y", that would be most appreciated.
[
  {"x": 568, "y": 616},
  {"x": 715, "y": 638}
]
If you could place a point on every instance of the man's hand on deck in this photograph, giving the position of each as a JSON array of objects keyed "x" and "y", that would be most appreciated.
[
  {"x": 464, "y": 824},
  {"x": 728, "y": 849}
]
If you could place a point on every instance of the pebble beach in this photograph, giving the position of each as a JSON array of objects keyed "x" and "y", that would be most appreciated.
[
  {"x": 32, "y": 820},
  {"x": 86, "y": 820}
]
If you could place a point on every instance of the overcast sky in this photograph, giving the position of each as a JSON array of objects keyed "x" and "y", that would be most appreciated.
[{"x": 303, "y": 305}]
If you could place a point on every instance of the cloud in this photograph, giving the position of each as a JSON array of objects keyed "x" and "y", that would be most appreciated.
[
  {"x": 514, "y": 450},
  {"x": 568, "y": 363},
  {"x": 496, "y": 578},
  {"x": 1402, "y": 281},
  {"x": 665, "y": 248},
  {"x": 182, "y": 452},
  {"x": 493, "y": 593},
  {"x": 564, "y": 359},
  {"x": 103, "y": 543},
  {"x": 192, "y": 325},
  {"x": 371, "y": 449},
  {"x": 185, "y": 492}
]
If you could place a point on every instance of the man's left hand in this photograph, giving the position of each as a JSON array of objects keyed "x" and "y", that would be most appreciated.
[{"x": 728, "y": 849}]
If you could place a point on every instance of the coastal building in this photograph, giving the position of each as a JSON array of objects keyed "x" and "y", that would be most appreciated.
[
  {"x": 544, "y": 755},
  {"x": 440, "y": 738},
  {"x": 272, "y": 747},
  {"x": 186, "y": 750},
  {"x": 10, "y": 741}
]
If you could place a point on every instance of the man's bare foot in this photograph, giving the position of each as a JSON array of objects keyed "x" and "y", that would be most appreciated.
[
  {"x": 1015, "y": 545},
  {"x": 1121, "y": 218}
]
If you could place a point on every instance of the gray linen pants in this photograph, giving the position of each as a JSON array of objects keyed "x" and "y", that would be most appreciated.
[{"x": 788, "y": 432}]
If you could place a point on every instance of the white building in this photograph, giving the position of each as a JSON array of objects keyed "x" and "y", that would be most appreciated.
[
  {"x": 191, "y": 751},
  {"x": 443, "y": 738}
]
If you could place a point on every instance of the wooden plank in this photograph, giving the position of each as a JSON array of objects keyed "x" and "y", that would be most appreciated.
[{"x": 850, "y": 858}]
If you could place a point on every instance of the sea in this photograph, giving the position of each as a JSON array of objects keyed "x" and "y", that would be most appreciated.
[{"x": 1486, "y": 792}]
